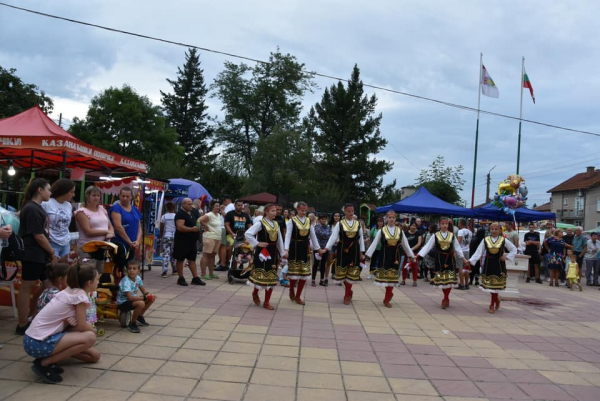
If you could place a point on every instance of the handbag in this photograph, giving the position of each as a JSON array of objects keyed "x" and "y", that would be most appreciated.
[{"x": 14, "y": 252}]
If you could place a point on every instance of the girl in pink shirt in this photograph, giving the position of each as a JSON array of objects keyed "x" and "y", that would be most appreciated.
[{"x": 60, "y": 330}]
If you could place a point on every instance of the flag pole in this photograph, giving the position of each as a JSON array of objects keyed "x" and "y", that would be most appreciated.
[
  {"x": 476, "y": 131},
  {"x": 520, "y": 116}
]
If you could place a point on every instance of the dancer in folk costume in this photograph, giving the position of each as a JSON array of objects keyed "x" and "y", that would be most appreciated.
[
  {"x": 388, "y": 268},
  {"x": 265, "y": 238},
  {"x": 298, "y": 233},
  {"x": 350, "y": 251},
  {"x": 493, "y": 266},
  {"x": 446, "y": 246}
]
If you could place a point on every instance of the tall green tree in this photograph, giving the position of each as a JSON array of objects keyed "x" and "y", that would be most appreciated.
[
  {"x": 443, "y": 182},
  {"x": 258, "y": 99},
  {"x": 282, "y": 165},
  {"x": 121, "y": 121},
  {"x": 17, "y": 96},
  {"x": 185, "y": 109},
  {"x": 346, "y": 136}
]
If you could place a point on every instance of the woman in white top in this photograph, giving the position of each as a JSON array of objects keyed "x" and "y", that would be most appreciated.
[
  {"x": 93, "y": 223},
  {"x": 388, "y": 270},
  {"x": 299, "y": 232},
  {"x": 493, "y": 267},
  {"x": 447, "y": 247},
  {"x": 167, "y": 239},
  {"x": 60, "y": 212},
  {"x": 265, "y": 237},
  {"x": 211, "y": 239}
]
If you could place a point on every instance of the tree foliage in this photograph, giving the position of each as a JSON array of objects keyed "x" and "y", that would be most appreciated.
[
  {"x": 258, "y": 99},
  {"x": 185, "y": 111},
  {"x": 443, "y": 182},
  {"x": 121, "y": 121},
  {"x": 17, "y": 96},
  {"x": 283, "y": 164},
  {"x": 346, "y": 135}
]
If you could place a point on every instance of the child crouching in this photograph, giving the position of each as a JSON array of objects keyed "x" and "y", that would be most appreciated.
[
  {"x": 128, "y": 298},
  {"x": 60, "y": 330}
]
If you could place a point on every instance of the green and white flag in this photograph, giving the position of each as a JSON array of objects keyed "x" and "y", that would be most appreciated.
[{"x": 488, "y": 87}]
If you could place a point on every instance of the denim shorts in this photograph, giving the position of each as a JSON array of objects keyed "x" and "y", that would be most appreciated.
[
  {"x": 60, "y": 250},
  {"x": 41, "y": 349}
]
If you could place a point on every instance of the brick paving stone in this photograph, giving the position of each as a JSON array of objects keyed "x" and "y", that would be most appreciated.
[
  {"x": 403, "y": 371},
  {"x": 545, "y": 392},
  {"x": 502, "y": 391},
  {"x": 457, "y": 388}
]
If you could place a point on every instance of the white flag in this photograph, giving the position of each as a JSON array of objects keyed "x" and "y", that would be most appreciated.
[{"x": 488, "y": 87}]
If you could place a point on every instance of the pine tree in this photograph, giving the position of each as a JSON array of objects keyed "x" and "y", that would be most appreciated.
[
  {"x": 347, "y": 137},
  {"x": 185, "y": 110}
]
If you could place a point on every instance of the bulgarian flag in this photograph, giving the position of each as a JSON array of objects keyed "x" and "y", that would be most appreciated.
[{"x": 527, "y": 84}]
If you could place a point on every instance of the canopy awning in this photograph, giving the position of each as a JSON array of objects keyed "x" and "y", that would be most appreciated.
[
  {"x": 423, "y": 202},
  {"x": 34, "y": 142},
  {"x": 262, "y": 198}
]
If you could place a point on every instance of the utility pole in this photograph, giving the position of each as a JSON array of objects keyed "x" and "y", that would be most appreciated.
[
  {"x": 60, "y": 120},
  {"x": 487, "y": 190}
]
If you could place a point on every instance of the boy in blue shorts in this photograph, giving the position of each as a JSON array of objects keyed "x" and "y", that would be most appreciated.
[{"x": 128, "y": 298}]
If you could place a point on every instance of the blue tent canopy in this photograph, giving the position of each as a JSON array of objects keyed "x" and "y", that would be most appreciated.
[
  {"x": 492, "y": 212},
  {"x": 423, "y": 202},
  {"x": 195, "y": 190}
]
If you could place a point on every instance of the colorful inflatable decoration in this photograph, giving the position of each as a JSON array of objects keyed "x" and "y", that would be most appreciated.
[{"x": 512, "y": 194}]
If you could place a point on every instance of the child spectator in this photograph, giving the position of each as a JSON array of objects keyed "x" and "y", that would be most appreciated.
[
  {"x": 128, "y": 298},
  {"x": 46, "y": 339},
  {"x": 572, "y": 270},
  {"x": 283, "y": 279},
  {"x": 245, "y": 253},
  {"x": 167, "y": 235},
  {"x": 57, "y": 275}
]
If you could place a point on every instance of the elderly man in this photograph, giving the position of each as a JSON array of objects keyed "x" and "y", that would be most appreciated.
[{"x": 186, "y": 235}]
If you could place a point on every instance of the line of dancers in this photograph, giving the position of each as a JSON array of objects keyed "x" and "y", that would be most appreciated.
[{"x": 347, "y": 240}]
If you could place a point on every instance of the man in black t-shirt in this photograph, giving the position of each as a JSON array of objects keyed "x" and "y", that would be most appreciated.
[
  {"x": 532, "y": 248},
  {"x": 236, "y": 220},
  {"x": 280, "y": 219},
  {"x": 186, "y": 235}
]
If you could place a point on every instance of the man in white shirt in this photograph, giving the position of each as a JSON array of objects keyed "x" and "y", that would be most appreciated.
[{"x": 464, "y": 237}]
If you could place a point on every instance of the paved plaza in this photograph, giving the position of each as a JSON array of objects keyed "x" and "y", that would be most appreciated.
[{"x": 213, "y": 343}]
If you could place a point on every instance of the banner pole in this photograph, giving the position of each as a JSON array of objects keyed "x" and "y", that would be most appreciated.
[
  {"x": 520, "y": 116},
  {"x": 476, "y": 131}
]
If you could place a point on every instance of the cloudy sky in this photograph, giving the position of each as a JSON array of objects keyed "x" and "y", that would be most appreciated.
[{"x": 427, "y": 48}]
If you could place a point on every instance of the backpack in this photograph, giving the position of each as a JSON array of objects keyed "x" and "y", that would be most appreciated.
[{"x": 14, "y": 252}]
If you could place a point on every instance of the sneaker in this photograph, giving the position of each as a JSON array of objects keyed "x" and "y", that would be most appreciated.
[
  {"x": 539, "y": 281},
  {"x": 414, "y": 283},
  {"x": 221, "y": 268},
  {"x": 141, "y": 321},
  {"x": 467, "y": 287},
  {"x": 326, "y": 283},
  {"x": 214, "y": 276},
  {"x": 45, "y": 372},
  {"x": 181, "y": 281},
  {"x": 528, "y": 279},
  {"x": 20, "y": 331},
  {"x": 56, "y": 369},
  {"x": 207, "y": 277},
  {"x": 197, "y": 281},
  {"x": 164, "y": 275},
  {"x": 133, "y": 327},
  {"x": 460, "y": 287}
]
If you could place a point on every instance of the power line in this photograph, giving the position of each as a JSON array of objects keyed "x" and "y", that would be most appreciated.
[{"x": 449, "y": 104}]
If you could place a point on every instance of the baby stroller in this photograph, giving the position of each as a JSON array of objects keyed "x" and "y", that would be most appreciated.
[
  {"x": 106, "y": 305},
  {"x": 238, "y": 269}
]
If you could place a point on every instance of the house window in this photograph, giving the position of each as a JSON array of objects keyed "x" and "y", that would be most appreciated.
[
  {"x": 566, "y": 202},
  {"x": 579, "y": 204},
  {"x": 578, "y": 223},
  {"x": 598, "y": 205}
]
